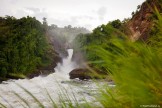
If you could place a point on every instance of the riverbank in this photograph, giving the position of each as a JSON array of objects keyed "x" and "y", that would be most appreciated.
[{"x": 40, "y": 71}]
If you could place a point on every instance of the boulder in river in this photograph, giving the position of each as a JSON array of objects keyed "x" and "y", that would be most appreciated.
[
  {"x": 80, "y": 73},
  {"x": 83, "y": 73}
]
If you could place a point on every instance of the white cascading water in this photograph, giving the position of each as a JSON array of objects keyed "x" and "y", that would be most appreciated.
[
  {"x": 66, "y": 66},
  {"x": 38, "y": 86}
]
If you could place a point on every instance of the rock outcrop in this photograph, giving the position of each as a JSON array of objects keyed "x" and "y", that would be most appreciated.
[
  {"x": 80, "y": 73},
  {"x": 142, "y": 21},
  {"x": 83, "y": 73}
]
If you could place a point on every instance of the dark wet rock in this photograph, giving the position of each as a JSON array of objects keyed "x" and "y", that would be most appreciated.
[
  {"x": 11, "y": 77},
  {"x": 80, "y": 73},
  {"x": 40, "y": 73},
  {"x": 85, "y": 74},
  {"x": 3, "y": 79}
]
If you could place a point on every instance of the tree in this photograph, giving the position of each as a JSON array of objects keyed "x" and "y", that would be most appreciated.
[
  {"x": 116, "y": 23},
  {"x": 69, "y": 26},
  {"x": 23, "y": 45},
  {"x": 133, "y": 13},
  {"x": 138, "y": 7},
  {"x": 45, "y": 21}
]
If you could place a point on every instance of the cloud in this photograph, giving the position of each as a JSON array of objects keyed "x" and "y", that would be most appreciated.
[
  {"x": 75, "y": 21},
  {"x": 82, "y": 17},
  {"x": 60, "y": 22},
  {"x": 73, "y": 12},
  {"x": 13, "y": 1},
  {"x": 36, "y": 12},
  {"x": 102, "y": 11},
  {"x": 63, "y": 21}
]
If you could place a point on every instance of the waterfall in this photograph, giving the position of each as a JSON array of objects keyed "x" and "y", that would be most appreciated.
[
  {"x": 54, "y": 84},
  {"x": 66, "y": 66},
  {"x": 38, "y": 84}
]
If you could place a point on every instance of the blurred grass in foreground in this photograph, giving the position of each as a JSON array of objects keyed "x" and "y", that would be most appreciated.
[{"x": 136, "y": 69}]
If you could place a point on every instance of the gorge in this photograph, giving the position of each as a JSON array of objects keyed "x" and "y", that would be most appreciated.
[{"x": 40, "y": 86}]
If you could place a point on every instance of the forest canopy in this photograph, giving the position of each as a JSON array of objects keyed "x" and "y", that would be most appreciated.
[{"x": 23, "y": 45}]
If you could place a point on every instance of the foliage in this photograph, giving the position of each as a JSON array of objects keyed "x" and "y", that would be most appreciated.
[
  {"x": 23, "y": 45},
  {"x": 100, "y": 36},
  {"x": 136, "y": 70},
  {"x": 135, "y": 67},
  {"x": 116, "y": 24}
]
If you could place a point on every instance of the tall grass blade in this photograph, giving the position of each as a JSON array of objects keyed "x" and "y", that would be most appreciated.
[
  {"x": 2, "y": 105},
  {"x": 53, "y": 103},
  {"x": 38, "y": 102},
  {"x": 22, "y": 99},
  {"x": 6, "y": 102}
]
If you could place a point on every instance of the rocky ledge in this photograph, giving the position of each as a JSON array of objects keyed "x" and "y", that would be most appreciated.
[{"x": 82, "y": 74}]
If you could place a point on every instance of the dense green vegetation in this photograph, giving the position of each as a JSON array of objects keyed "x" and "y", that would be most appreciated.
[
  {"x": 23, "y": 45},
  {"x": 100, "y": 36},
  {"x": 136, "y": 70},
  {"x": 135, "y": 67}
]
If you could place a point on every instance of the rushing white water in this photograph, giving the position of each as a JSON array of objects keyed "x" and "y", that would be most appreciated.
[
  {"x": 54, "y": 84},
  {"x": 66, "y": 66}
]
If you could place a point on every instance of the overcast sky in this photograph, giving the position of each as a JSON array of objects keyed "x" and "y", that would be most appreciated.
[{"x": 85, "y": 13}]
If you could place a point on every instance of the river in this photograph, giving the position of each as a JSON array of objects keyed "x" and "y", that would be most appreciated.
[{"x": 57, "y": 84}]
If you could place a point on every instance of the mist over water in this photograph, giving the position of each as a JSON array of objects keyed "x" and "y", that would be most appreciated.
[
  {"x": 66, "y": 66},
  {"x": 39, "y": 85},
  {"x": 56, "y": 84}
]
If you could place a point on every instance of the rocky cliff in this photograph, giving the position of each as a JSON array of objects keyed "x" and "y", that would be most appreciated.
[{"x": 143, "y": 19}]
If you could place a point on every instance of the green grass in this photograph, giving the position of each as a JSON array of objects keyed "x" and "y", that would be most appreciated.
[
  {"x": 136, "y": 69},
  {"x": 137, "y": 72},
  {"x": 17, "y": 75}
]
